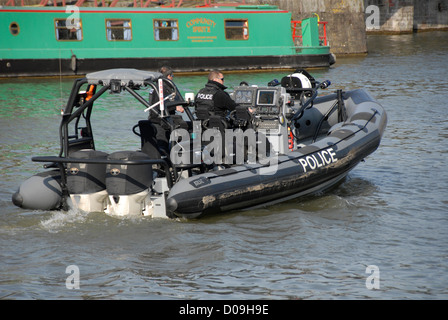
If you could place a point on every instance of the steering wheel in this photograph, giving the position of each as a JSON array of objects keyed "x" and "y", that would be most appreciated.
[{"x": 241, "y": 121}]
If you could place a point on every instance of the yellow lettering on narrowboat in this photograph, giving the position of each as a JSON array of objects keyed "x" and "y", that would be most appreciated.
[
  {"x": 203, "y": 21},
  {"x": 201, "y": 29}
]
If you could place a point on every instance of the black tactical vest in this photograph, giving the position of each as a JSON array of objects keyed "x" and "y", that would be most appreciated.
[{"x": 204, "y": 98}]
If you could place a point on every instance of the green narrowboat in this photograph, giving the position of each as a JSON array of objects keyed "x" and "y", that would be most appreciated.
[{"x": 71, "y": 40}]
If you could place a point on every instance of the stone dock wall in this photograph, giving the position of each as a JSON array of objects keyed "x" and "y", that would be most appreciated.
[
  {"x": 407, "y": 16},
  {"x": 346, "y": 32},
  {"x": 349, "y": 21}
]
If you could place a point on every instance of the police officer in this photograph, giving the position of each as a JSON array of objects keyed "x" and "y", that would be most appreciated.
[
  {"x": 167, "y": 73},
  {"x": 163, "y": 129},
  {"x": 213, "y": 97}
]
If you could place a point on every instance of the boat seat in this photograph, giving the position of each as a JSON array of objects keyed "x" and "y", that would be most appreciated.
[
  {"x": 148, "y": 139},
  {"x": 210, "y": 120},
  {"x": 80, "y": 144},
  {"x": 203, "y": 115},
  {"x": 179, "y": 122},
  {"x": 216, "y": 122}
]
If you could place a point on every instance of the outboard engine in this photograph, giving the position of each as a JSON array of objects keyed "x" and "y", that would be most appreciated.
[
  {"x": 86, "y": 182},
  {"x": 129, "y": 186}
]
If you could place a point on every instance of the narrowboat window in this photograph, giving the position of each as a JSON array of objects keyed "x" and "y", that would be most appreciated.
[
  {"x": 166, "y": 30},
  {"x": 71, "y": 31},
  {"x": 237, "y": 29},
  {"x": 14, "y": 28},
  {"x": 118, "y": 29}
]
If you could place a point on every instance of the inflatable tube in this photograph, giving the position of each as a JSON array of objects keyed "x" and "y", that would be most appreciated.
[{"x": 40, "y": 192}]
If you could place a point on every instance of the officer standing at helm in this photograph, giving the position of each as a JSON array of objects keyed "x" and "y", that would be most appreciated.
[
  {"x": 163, "y": 129},
  {"x": 213, "y": 97}
]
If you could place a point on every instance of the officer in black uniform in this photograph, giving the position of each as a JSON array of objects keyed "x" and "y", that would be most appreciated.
[
  {"x": 163, "y": 129},
  {"x": 167, "y": 73},
  {"x": 217, "y": 102},
  {"x": 213, "y": 97}
]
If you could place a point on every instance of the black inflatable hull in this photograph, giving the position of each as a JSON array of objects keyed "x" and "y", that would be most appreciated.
[{"x": 312, "y": 168}]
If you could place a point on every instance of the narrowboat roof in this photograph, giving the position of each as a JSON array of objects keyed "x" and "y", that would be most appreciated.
[{"x": 241, "y": 8}]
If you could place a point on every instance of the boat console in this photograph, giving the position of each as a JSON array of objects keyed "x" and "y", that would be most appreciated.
[
  {"x": 265, "y": 101},
  {"x": 270, "y": 108}
]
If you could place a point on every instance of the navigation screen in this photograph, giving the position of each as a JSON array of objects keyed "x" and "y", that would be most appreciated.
[
  {"x": 244, "y": 96},
  {"x": 266, "y": 97}
]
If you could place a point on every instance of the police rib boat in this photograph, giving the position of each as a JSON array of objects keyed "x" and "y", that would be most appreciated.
[{"x": 290, "y": 143}]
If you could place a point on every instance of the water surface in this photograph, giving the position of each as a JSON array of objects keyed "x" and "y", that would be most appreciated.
[{"x": 390, "y": 212}]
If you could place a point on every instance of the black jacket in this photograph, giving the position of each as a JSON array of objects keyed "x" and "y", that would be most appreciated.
[
  {"x": 170, "y": 106},
  {"x": 215, "y": 99}
]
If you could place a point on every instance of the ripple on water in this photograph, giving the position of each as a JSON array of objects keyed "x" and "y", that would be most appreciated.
[{"x": 390, "y": 211}]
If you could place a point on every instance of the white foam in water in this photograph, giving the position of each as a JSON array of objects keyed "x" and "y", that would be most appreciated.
[{"x": 60, "y": 219}]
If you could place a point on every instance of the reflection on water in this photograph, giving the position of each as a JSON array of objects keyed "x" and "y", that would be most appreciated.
[{"x": 391, "y": 210}]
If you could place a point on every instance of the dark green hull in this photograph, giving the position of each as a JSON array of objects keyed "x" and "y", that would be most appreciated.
[{"x": 69, "y": 67}]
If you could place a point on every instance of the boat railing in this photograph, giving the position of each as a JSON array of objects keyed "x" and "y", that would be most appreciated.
[{"x": 296, "y": 26}]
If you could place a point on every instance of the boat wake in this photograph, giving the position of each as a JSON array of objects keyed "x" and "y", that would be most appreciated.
[{"x": 61, "y": 219}]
